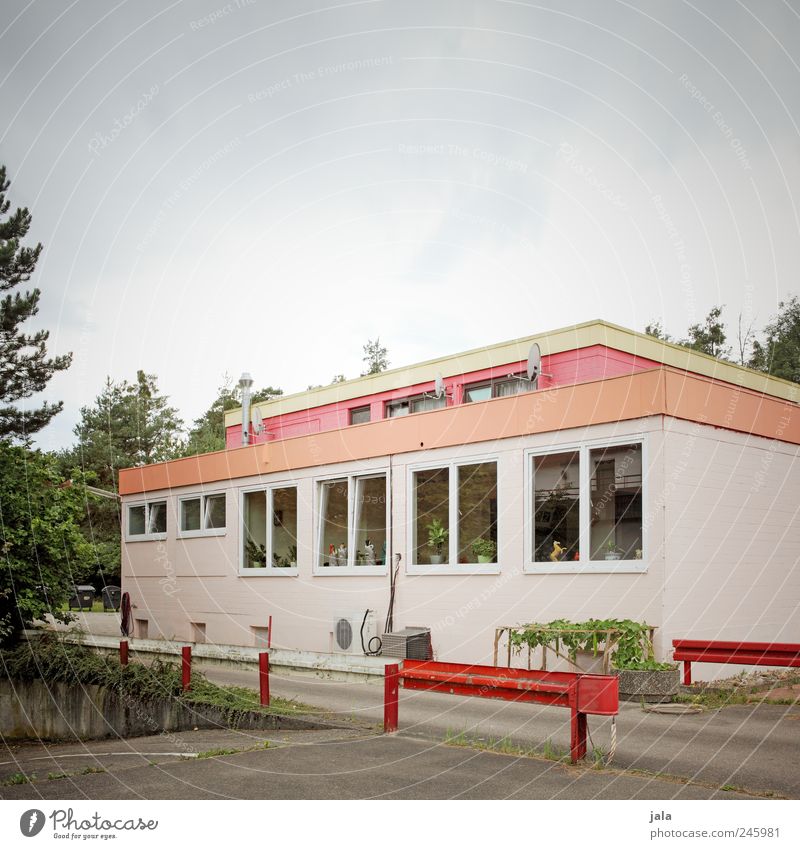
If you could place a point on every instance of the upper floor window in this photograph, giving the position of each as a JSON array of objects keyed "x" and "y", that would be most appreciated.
[
  {"x": 353, "y": 521},
  {"x": 202, "y": 515},
  {"x": 360, "y": 415},
  {"x": 416, "y": 404},
  {"x": 498, "y": 387},
  {"x": 147, "y": 520}
]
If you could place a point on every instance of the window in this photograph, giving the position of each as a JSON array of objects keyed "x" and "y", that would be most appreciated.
[
  {"x": 202, "y": 515},
  {"x": 269, "y": 530},
  {"x": 353, "y": 522},
  {"x": 586, "y": 508},
  {"x": 455, "y": 515},
  {"x": 556, "y": 507},
  {"x": 148, "y": 520},
  {"x": 499, "y": 387},
  {"x": 359, "y": 415},
  {"x": 616, "y": 502},
  {"x": 417, "y": 404}
]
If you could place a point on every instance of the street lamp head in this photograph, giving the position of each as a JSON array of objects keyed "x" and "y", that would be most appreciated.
[{"x": 245, "y": 381}]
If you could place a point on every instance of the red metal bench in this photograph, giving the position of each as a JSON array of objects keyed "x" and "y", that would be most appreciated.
[
  {"x": 747, "y": 654},
  {"x": 582, "y": 693}
]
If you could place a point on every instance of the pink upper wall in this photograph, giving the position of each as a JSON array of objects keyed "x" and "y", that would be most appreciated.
[{"x": 591, "y": 363}]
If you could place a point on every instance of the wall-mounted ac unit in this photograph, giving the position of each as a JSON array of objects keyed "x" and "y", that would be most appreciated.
[{"x": 347, "y": 632}]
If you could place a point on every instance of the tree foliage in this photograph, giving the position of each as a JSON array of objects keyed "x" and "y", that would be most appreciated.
[
  {"x": 25, "y": 368},
  {"x": 208, "y": 431},
  {"x": 779, "y": 355},
  {"x": 375, "y": 357},
  {"x": 43, "y": 549},
  {"x": 709, "y": 337}
]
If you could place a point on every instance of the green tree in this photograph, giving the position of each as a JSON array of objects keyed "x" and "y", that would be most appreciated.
[
  {"x": 656, "y": 330},
  {"x": 208, "y": 431},
  {"x": 43, "y": 549},
  {"x": 24, "y": 365},
  {"x": 709, "y": 337},
  {"x": 376, "y": 357},
  {"x": 779, "y": 355}
]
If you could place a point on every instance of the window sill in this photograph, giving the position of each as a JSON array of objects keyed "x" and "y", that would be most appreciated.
[
  {"x": 146, "y": 538},
  {"x": 269, "y": 572},
  {"x": 460, "y": 569},
  {"x": 212, "y": 532},
  {"x": 343, "y": 571},
  {"x": 593, "y": 567}
]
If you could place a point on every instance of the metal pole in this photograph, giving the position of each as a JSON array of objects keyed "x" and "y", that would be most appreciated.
[
  {"x": 391, "y": 687},
  {"x": 687, "y": 672},
  {"x": 263, "y": 676},
  {"x": 186, "y": 667},
  {"x": 269, "y": 633}
]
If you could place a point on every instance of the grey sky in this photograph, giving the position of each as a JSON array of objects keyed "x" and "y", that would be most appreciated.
[{"x": 262, "y": 186}]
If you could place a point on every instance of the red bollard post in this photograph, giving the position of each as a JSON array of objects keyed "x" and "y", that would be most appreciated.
[
  {"x": 123, "y": 652},
  {"x": 186, "y": 667},
  {"x": 391, "y": 688},
  {"x": 263, "y": 676},
  {"x": 687, "y": 672}
]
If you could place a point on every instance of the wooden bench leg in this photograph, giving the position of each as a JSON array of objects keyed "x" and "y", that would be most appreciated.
[{"x": 687, "y": 672}]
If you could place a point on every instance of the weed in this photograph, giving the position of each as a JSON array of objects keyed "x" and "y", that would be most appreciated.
[
  {"x": 90, "y": 770},
  {"x": 55, "y": 776},
  {"x": 17, "y": 778},
  {"x": 216, "y": 753}
]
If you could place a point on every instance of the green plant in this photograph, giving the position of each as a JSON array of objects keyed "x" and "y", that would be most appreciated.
[
  {"x": 256, "y": 554},
  {"x": 17, "y": 778},
  {"x": 437, "y": 535},
  {"x": 483, "y": 547},
  {"x": 55, "y": 776}
]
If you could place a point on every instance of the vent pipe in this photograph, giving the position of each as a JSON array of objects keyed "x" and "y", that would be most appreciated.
[{"x": 245, "y": 382}]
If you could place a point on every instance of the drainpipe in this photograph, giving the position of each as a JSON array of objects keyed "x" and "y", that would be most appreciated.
[{"x": 245, "y": 382}]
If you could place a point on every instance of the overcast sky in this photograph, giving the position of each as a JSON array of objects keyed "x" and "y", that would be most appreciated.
[{"x": 263, "y": 186}]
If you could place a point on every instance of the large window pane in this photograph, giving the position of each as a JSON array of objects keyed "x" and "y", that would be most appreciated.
[
  {"x": 136, "y": 520},
  {"x": 284, "y": 527},
  {"x": 215, "y": 511},
  {"x": 370, "y": 521},
  {"x": 157, "y": 514},
  {"x": 334, "y": 523},
  {"x": 616, "y": 496},
  {"x": 190, "y": 515},
  {"x": 477, "y": 513},
  {"x": 556, "y": 507},
  {"x": 432, "y": 516},
  {"x": 255, "y": 530},
  {"x": 421, "y": 405}
]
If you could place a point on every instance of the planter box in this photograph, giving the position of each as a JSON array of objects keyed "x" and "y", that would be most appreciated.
[{"x": 636, "y": 685}]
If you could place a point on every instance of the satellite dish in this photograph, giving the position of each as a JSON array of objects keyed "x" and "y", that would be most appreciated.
[
  {"x": 534, "y": 362},
  {"x": 258, "y": 421},
  {"x": 438, "y": 391}
]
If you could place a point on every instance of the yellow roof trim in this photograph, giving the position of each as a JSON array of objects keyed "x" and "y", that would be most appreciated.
[{"x": 597, "y": 332}]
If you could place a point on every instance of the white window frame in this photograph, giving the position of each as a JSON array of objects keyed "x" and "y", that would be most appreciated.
[
  {"x": 352, "y": 568},
  {"x": 585, "y": 565},
  {"x": 145, "y": 537},
  {"x": 268, "y": 571},
  {"x": 493, "y": 382},
  {"x": 411, "y": 400},
  {"x": 454, "y": 568},
  {"x": 203, "y": 531}
]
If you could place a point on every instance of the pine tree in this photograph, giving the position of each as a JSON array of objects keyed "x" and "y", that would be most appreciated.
[{"x": 24, "y": 366}]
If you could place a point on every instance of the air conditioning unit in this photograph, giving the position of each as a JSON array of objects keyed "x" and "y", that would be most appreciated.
[{"x": 347, "y": 632}]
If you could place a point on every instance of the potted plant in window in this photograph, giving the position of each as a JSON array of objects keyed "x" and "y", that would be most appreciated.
[
  {"x": 437, "y": 539},
  {"x": 485, "y": 550},
  {"x": 612, "y": 552}
]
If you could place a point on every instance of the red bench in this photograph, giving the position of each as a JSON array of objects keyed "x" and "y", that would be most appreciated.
[
  {"x": 747, "y": 654},
  {"x": 583, "y": 694}
]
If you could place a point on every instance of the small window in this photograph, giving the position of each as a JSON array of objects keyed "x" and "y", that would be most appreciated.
[
  {"x": 499, "y": 387},
  {"x": 360, "y": 415},
  {"x": 416, "y": 404},
  {"x": 397, "y": 408},
  {"x": 147, "y": 521},
  {"x": 203, "y": 514},
  {"x": 354, "y": 522}
]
